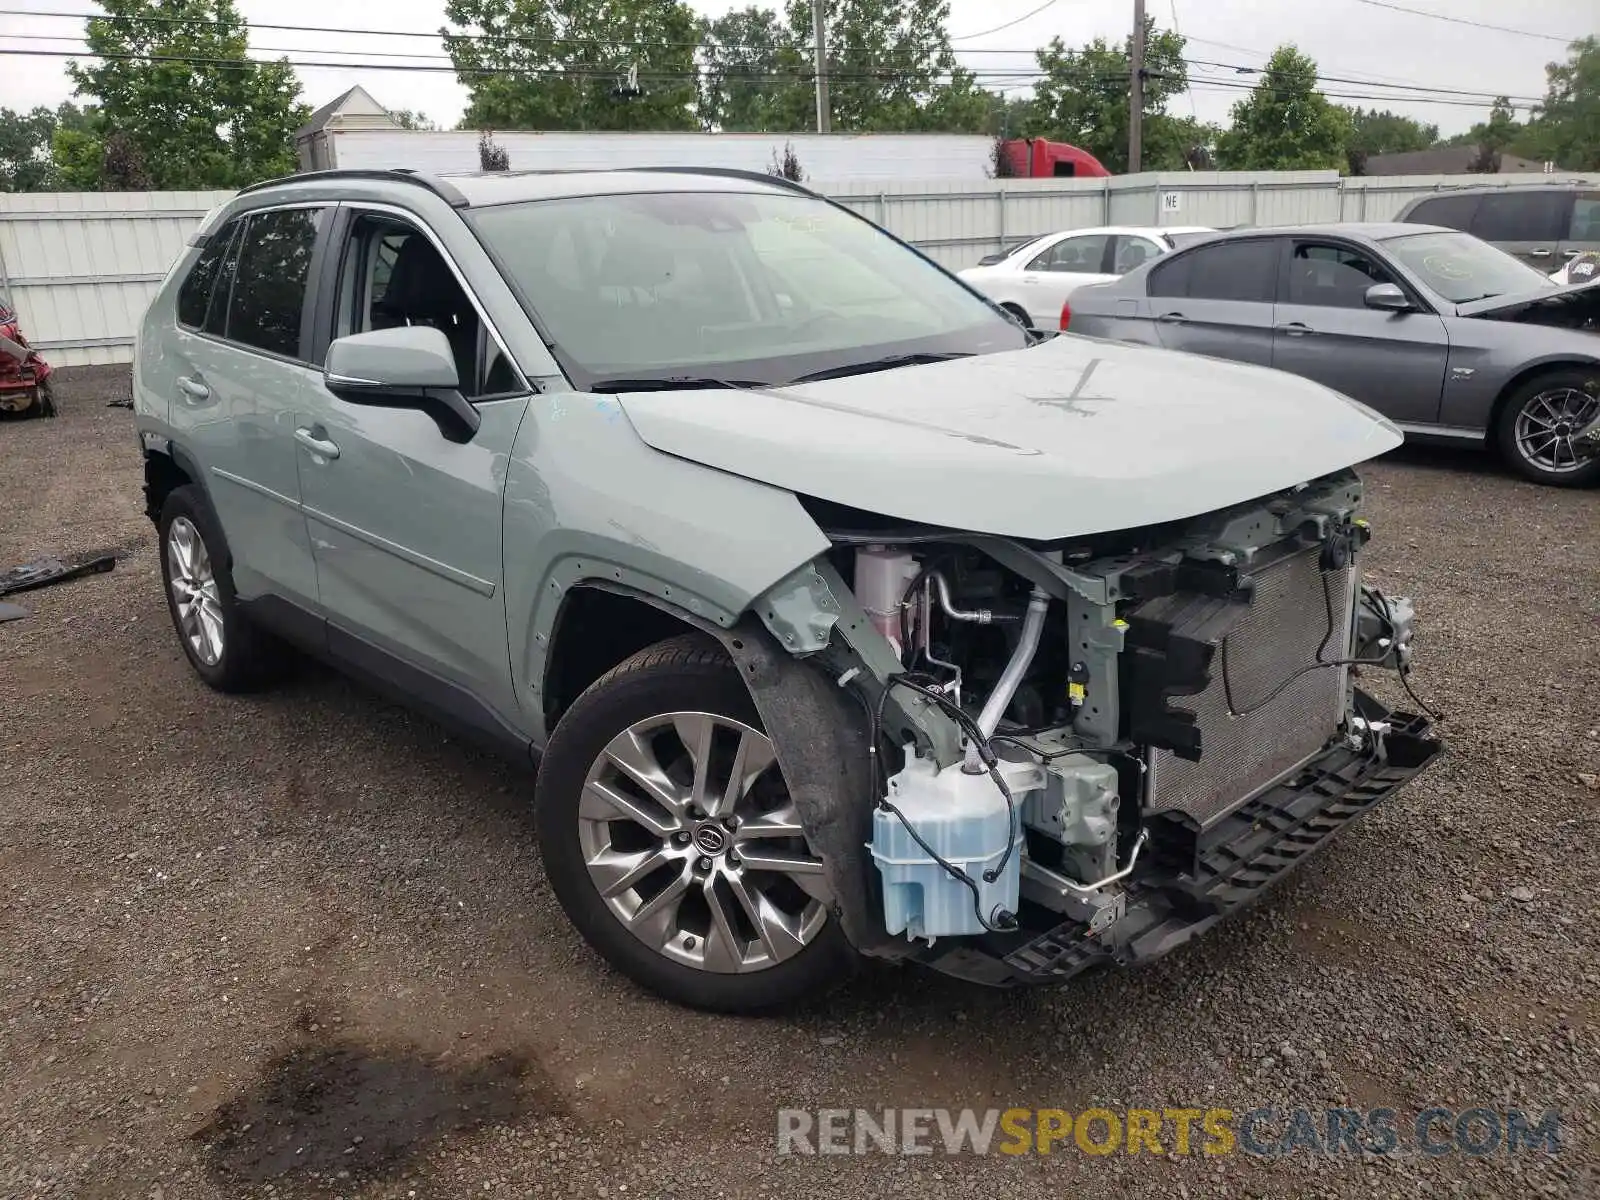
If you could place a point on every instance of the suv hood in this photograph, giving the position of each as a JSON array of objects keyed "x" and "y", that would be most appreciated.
[
  {"x": 1508, "y": 305},
  {"x": 1067, "y": 438}
]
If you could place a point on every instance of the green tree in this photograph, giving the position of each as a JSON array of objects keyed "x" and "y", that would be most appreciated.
[
  {"x": 1285, "y": 124},
  {"x": 569, "y": 64},
  {"x": 25, "y": 162},
  {"x": 1566, "y": 128},
  {"x": 891, "y": 67},
  {"x": 1083, "y": 99},
  {"x": 408, "y": 119},
  {"x": 754, "y": 74},
  {"x": 1377, "y": 131},
  {"x": 1495, "y": 136},
  {"x": 192, "y": 107}
]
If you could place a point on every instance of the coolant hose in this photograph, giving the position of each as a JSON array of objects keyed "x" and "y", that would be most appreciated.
[{"x": 1006, "y": 690}]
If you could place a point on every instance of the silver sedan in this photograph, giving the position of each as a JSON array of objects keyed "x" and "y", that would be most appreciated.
[{"x": 1450, "y": 338}]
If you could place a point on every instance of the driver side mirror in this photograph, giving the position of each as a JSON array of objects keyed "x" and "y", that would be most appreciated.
[
  {"x": 1389, "y": 297},
  {"x": 411, "y": 366}
]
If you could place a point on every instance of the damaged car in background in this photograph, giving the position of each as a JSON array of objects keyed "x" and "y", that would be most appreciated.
[
  {"x": 844, "y": 617},
  {"x": 1454, "y": 340}
]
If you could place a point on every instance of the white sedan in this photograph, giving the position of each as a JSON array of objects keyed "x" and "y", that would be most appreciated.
[{"x": 1033, "y": 280}]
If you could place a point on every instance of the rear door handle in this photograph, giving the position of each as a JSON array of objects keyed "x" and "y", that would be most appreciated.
[
  {"x": 1294, "y": 329},
  {"x": 1172, "y": 318},
  {"x": 310, "y": 439},
  {"x": 195, "y": 388},
  {"x": 1539, "y": 253},
  {"x": 1570, "y": 253}
]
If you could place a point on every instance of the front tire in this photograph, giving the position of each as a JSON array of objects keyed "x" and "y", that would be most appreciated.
[
  {"x": 671, "y": 843},
  {"x": 1537, "y": 426},
  {"x": 228, "y": 652}
]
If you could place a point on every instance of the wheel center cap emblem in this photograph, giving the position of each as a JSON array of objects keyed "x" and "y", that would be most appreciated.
[{"x": 708, "y": 839}]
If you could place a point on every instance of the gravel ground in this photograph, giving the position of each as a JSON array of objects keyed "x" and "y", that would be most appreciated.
[{"x": 301, "y": 945}]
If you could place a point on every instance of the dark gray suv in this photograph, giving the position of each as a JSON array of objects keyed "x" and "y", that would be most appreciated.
[{"x": 1545, "y": 225}]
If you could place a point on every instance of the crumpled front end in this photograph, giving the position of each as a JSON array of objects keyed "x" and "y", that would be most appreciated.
[{"x": 1089, "y": 750}]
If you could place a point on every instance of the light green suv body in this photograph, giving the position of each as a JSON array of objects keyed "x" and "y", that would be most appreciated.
[{"x": 666, "y": 478}]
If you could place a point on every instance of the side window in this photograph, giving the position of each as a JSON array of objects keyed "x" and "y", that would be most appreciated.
[
  {"x": 1522, "y": 216},
  {"x": 1244, "y": 271},
  {"x": 392, "y": 275},
  {"x": 1453, "y": 212},
  {"x": 194, "y": 294},
  {"x": 1074, "y": 255},
  {"x": 1332, "y": 276},
  {"x": 1133, "y": 252},
  {"x": 1585, "y": 226},
  {"x": 269, "y": 292}
]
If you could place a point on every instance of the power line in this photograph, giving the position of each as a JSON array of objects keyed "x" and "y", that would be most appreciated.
[
  {"x": 1027, "y": 16},
  {"x": 1370, "y": 81},
  {"x": 1416, "y": 87},
  {"x": 427, "y": 67},
  {"x": 1420, "y": 12},
  {"x": 1224, "y": 85},
  {"x": 1011, "y": 76}
]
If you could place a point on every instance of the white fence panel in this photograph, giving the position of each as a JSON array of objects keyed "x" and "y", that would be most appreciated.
[{"x": 82, "y": 267}]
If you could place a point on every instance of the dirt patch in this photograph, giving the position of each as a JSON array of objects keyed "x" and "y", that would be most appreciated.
[{"x": 344, "y": 1110}]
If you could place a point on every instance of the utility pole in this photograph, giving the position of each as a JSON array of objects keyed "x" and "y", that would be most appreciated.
[
  {"x": 819, "y": 26},
  {"x": 1136, "y": 91}
]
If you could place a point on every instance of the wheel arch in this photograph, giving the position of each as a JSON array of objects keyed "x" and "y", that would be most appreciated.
[
  {"x": 167, "y": 467},
  {"x": 818, "y": 731},
  {"x": 1526, "y": 376}
]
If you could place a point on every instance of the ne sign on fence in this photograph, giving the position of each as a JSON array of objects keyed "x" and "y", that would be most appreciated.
[{"x": 82, "y": 267}]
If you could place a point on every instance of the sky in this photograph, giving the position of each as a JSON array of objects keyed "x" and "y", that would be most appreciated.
[{"x": 1352, "y": 39}]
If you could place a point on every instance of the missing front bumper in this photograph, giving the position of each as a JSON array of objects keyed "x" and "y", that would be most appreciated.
[{"x": 1194, "y": 879}]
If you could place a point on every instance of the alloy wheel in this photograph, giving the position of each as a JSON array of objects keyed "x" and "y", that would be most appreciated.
[
  {"x": 690, "y": 837},
  {"x": 1548, "y": 422},
  {"x": 194, "y": 591}
]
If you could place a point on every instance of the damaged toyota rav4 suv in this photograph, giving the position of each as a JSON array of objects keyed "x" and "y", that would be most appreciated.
[{"x": 843, "y": 616}]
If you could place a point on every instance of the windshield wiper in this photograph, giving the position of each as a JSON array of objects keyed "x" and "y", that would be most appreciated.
[
  {"x": 878, "y": 364},
  {"x": 670, "y": 383}
]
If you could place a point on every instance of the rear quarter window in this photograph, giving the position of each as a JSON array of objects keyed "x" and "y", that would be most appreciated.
[
  {"x": 1452, "y": 212},
  {"x": 194, "y": 294}
]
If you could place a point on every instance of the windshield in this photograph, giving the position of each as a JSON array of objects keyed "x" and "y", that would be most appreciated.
[
  {"x": 1460, "y": 268},
  {"x": 741, "y": 287}
]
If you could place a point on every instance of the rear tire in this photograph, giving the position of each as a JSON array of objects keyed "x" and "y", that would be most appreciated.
[
  {"x": 45, "y": 398},
  {"x": 683, "y": 884},
  {"x": 225, "y": 649},
  {"x": 1538, "y": 420}
]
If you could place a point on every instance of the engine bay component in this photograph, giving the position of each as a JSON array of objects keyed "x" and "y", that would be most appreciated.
[
  {"x": 937, "y": 823},
  {"x": 1078, "y": 721},
  {"x": 1384, "y": 628},
  {"x": 882, "y": 578}
]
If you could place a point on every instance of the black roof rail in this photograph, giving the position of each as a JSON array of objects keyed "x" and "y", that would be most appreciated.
[
  {"x": 729, "y": 173},
  {"x": 450, "y": 195}
]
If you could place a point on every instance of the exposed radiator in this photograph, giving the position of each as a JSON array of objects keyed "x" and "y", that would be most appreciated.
[{"x": 1281, "y": 634}]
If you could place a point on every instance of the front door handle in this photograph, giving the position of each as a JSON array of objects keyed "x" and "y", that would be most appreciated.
[
  {"x": 1541, "y": 252},
  {"x": 195, "y": 388},
  {"x": 1294, "y": 329},
  {"x": 1172, "y": 318},
  {"x": 310, "y": 438},
  {"x": 1570, "y": 253}
]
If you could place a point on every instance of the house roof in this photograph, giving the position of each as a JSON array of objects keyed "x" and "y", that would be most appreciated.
[
  {"x": 1443, "y": 160},
  {"x": 336, "y": 107}
]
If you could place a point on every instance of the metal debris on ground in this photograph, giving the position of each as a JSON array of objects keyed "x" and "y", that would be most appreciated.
[
  {"x": 12, "y": 612},
  {"x": 42, "y": 572}
]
